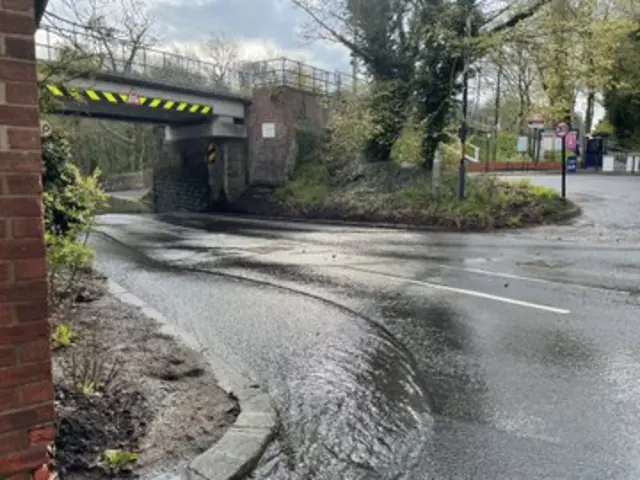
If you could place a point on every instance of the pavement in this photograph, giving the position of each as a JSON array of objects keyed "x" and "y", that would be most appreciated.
[{"x": 412, "y": 355}]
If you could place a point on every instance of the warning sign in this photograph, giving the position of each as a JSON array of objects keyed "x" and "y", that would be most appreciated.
[
  {"x": 133, "y": 99},
  {"x": 212, "y": 153}
]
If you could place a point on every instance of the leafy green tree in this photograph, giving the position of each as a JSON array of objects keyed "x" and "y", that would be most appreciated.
[
  {"x": 622, "y": 99},
  {"x": 414, "y": 54}
]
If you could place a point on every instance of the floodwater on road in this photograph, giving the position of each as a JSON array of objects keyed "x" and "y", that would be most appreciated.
[{"x": 404, "y": 355}]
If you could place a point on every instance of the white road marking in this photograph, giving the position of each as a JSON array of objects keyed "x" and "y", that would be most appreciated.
[
  {"x": 490, "y": 273},
  {"x": 464, "y": 291}
]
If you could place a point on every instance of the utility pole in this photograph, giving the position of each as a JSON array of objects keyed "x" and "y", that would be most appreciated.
[
  {"x": 465, "y": 112},
  {"x": 496, "y": 115}
]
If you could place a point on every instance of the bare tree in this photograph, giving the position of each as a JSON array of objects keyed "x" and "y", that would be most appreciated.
[
  {"x": 229, "y": 68},
  {"x": 111, "y": 34},
  {"x": 223, "y": 53},
  {"x": 113, "y": 30}
]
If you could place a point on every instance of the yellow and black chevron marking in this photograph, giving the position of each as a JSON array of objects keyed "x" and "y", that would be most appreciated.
[
  {"x": 90, "y": 95},
  {"x": 212, "y": 153}
]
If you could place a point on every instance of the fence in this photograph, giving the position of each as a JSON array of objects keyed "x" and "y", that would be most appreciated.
[{"x": 103, "y": 51}]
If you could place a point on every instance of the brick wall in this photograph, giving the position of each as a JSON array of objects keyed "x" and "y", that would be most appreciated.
[
  {"x": 26, "y": 393},
  {"x": 272, "y": 160}
]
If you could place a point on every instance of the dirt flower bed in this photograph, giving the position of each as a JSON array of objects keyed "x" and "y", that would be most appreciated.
[{"x": 130, "y": 401}]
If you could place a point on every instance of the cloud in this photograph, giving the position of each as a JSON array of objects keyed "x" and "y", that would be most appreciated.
[{"x": 261, "y": 28}]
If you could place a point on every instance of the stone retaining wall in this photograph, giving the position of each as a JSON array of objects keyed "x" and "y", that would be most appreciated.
[{"x": 128, "y": 181}]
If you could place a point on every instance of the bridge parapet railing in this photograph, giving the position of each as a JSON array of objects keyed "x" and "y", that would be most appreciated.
[{"x": 90, "y": 50}]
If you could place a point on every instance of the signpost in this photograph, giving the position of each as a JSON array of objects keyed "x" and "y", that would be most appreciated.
[{"x": 562, "y": 129}]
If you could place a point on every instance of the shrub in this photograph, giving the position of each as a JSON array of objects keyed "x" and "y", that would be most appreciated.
[
  {"x": 71, "y": 202},
  {"x": 350, "y": 126},
  {"x": 310, "y": 185},
  {"x": 408, "y": 148}
]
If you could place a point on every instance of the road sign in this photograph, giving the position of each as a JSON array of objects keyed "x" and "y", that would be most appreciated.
[
  {"x": 536, "y": 122},
  {"x": 45, "y": 129},
  {"x": 133, "y": 99},
  {"x": 562, "y": 129},
  {"x": 523, "y": 144},
  {"x": 571, "y": 140}
]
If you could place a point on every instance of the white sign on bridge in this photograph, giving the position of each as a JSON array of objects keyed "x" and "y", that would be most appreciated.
[{"x": 269, "y": 130}]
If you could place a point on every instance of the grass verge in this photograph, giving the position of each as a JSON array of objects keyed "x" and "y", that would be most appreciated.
[{"x": 393, "y": 193}]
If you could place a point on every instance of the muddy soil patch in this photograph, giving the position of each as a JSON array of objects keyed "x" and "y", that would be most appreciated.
[{"x": 122, "y": 385}]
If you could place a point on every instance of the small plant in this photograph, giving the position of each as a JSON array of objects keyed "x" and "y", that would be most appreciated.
[
  {"x": 118, "y": 461},
  {"x": 89, "y": 368},
  {"x": 86, "y": 388},
  {"x": 62, "y": 336}
]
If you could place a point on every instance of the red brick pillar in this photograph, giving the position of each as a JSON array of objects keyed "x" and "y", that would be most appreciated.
[{"x": 26, "y": 393}]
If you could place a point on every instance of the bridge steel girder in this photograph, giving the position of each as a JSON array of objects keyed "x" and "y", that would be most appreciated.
[
  {"x": 106, "y": 96},
  {"x": 128, "y": 113},
  {"x": 221, "y": 127}
]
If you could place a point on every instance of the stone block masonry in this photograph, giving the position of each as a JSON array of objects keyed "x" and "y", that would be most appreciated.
[
  {"x": 26, "y": 391},
  {"x": 183, "y": 179},
  {"x": 181, "y": 176}
]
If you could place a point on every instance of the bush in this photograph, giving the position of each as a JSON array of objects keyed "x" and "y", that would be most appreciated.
[
  {"x": 71, "y": 202},
  {"x": 406, "y": 196},
  {"x": 350, "y": 126},
  {"x": 407, "y": 149}
]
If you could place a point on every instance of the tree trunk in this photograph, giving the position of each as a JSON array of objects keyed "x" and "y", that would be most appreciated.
[
  {"x": 591, "y": 106},
  {"x": 430, "y": 144}
]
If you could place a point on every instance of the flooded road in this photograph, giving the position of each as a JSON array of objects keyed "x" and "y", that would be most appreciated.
[{"x": 407, "y": 355}]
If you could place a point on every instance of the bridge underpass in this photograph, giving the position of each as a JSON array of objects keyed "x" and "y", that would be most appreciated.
[
  {"x": 212, "y": 144},
  {"x": 199, "y": 134}
]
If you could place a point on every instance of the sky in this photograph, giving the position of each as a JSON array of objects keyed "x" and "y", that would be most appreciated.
[{"x": 261, "y": 28}]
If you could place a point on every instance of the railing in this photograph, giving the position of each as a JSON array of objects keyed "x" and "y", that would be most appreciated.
[{"x": 107, "y": 53}]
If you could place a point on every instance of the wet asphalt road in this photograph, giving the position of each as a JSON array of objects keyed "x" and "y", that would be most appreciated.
[{"x": 396, "y": 354}]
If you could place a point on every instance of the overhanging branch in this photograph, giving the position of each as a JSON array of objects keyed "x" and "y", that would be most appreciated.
[
  {"x": 332, "y": 31},
  {"x": 519, "y": 17}
]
